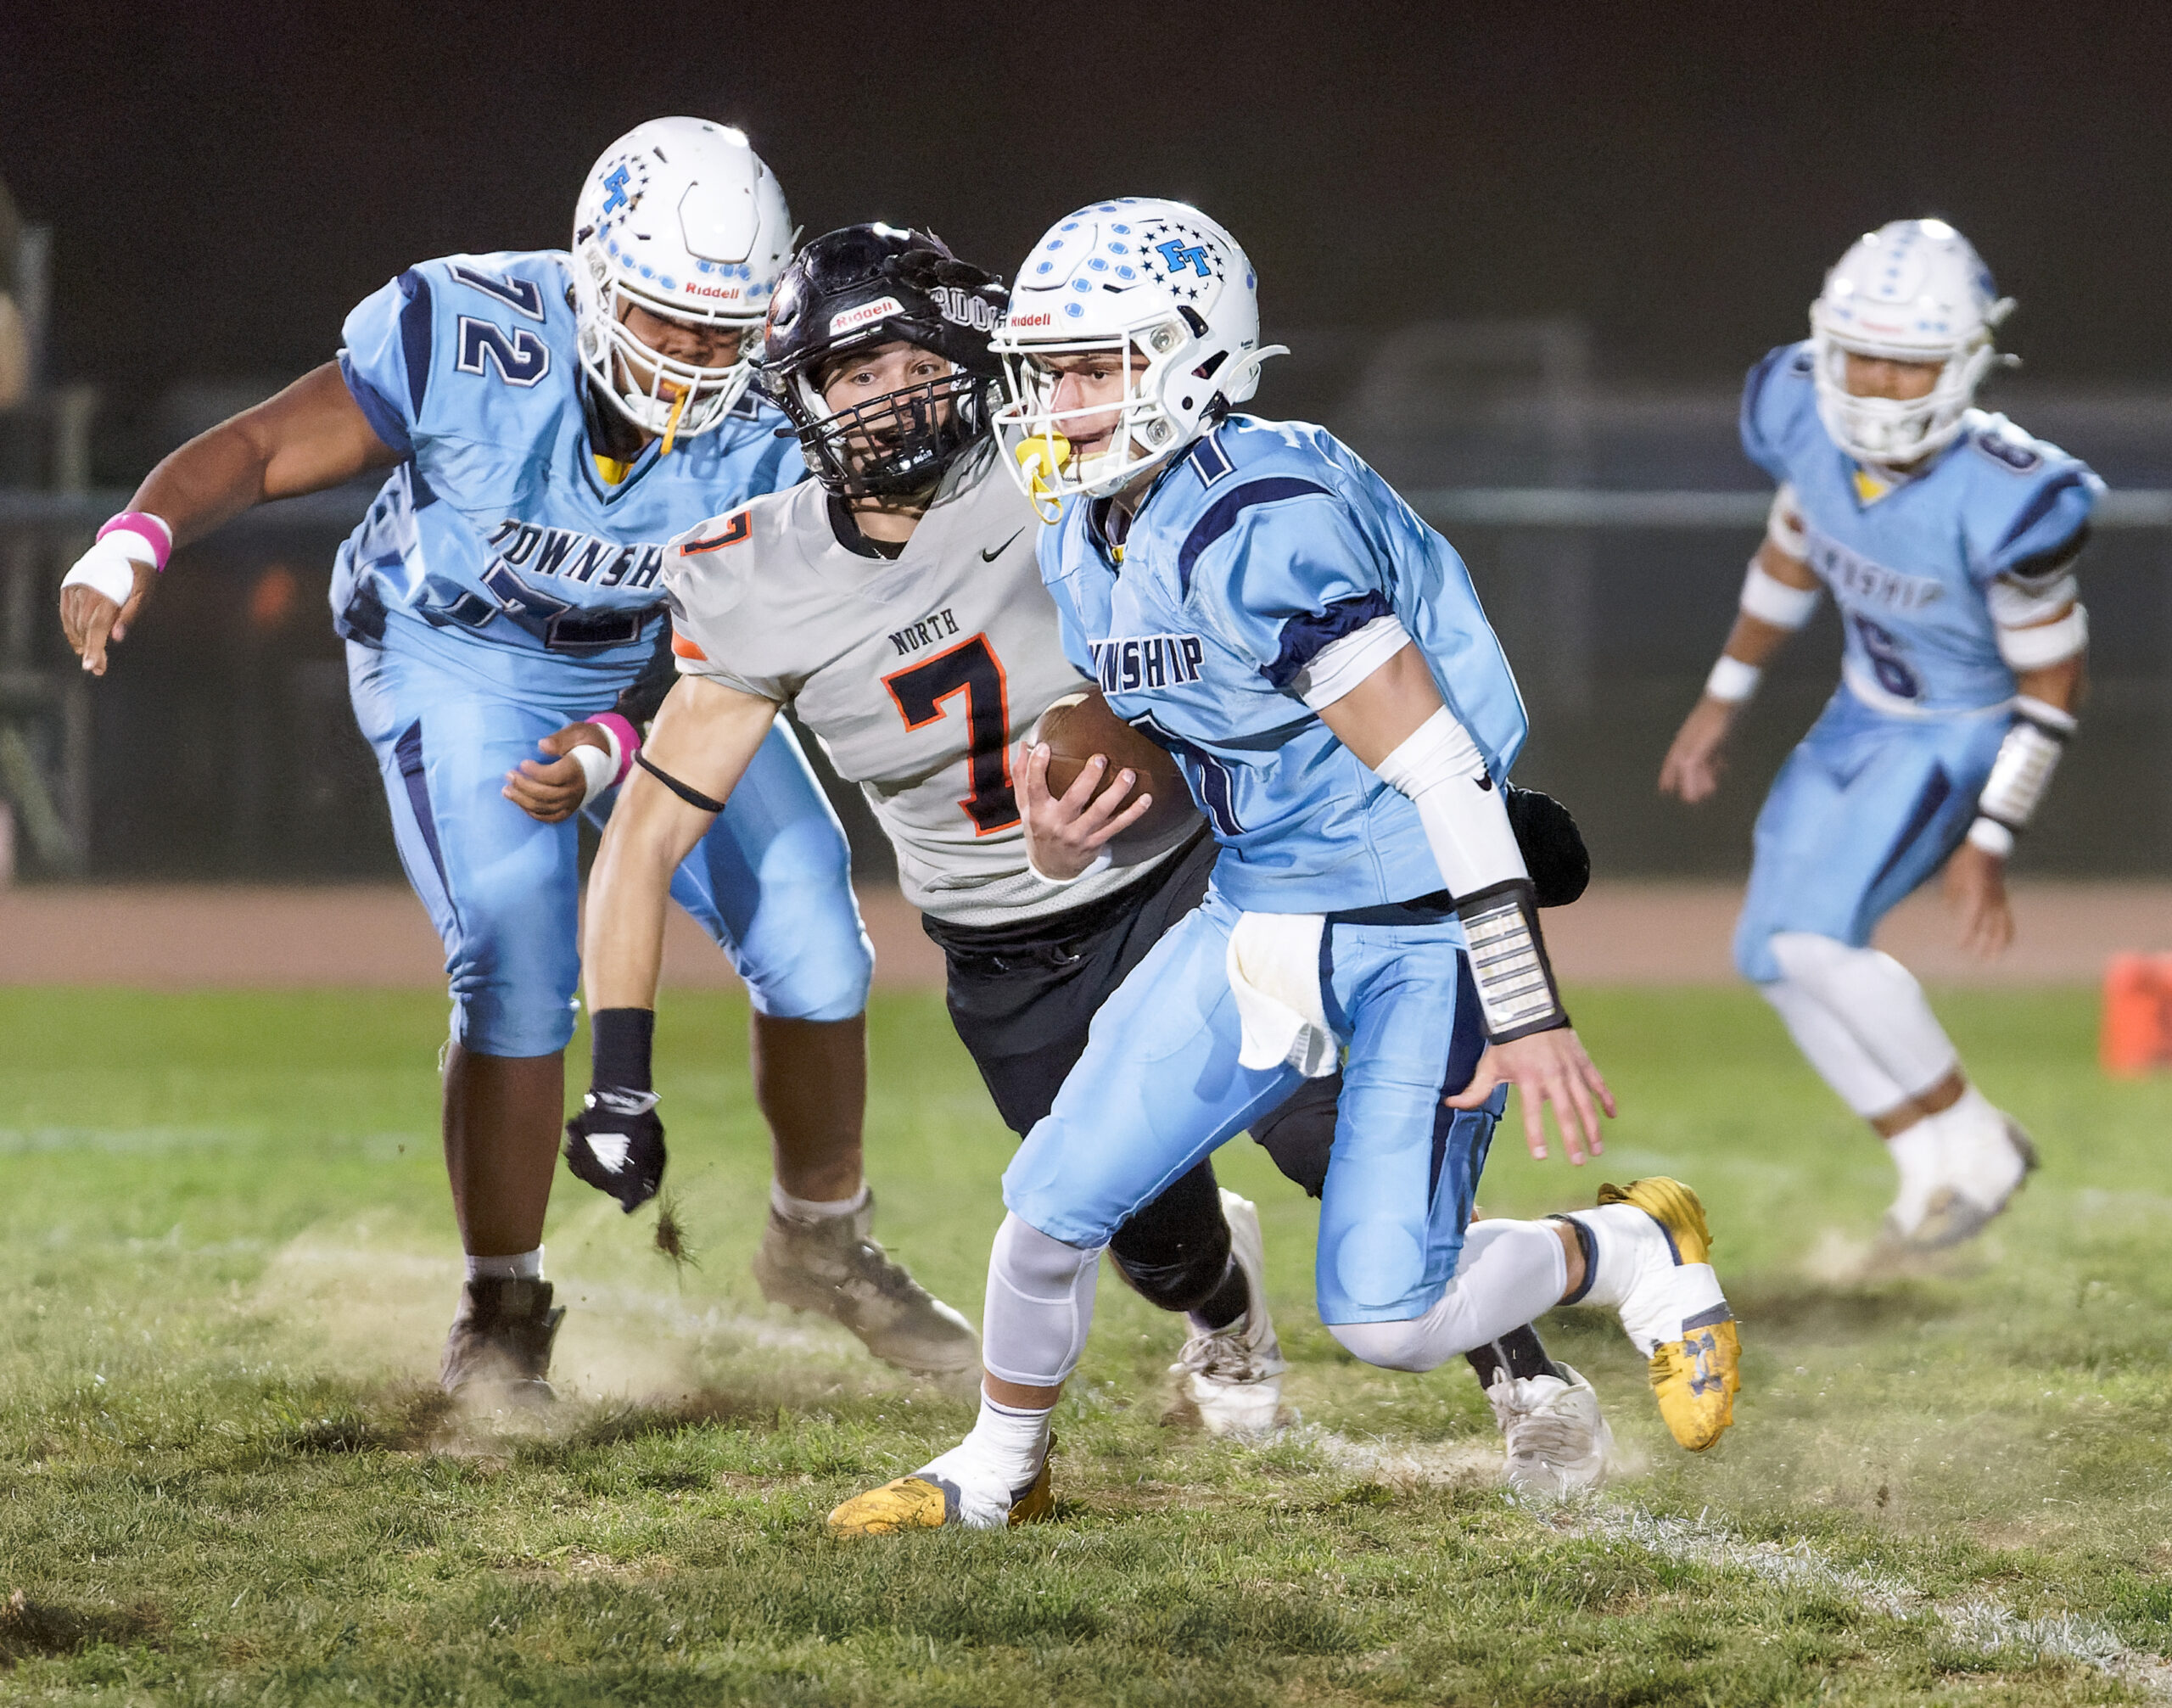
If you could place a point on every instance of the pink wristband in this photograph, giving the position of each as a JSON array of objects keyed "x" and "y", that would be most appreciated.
[
  {"x": 152, "y": 531},
  {"x": 629, "y": 740}
]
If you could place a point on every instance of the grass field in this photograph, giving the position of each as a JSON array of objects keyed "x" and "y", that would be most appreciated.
[{"x": 229, "y": 1261}]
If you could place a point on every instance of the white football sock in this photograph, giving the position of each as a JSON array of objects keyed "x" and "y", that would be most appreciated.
[
  {"x": 1040, "y": 1305},
  {"x": 521, "y": 1266},
  {"x": 995, "y": 1463},
  {"x": 1980, "y": 1161},
  {"x": 1918, "y": 1151},
  {"x": 1877, "y": 999},
  {"x": 1508, "y": 1273},
  {"x": 1636, "y": 1272},
  {"x": 1830, "y": 1047},
  {"x": 815, "y": 1209}
]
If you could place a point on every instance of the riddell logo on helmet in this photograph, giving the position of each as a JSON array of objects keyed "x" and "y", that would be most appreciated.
[
  {"x": 866, "y": 315},
  {"x": 1018, "y": 322},
  {"x": 726, "y": 291}
]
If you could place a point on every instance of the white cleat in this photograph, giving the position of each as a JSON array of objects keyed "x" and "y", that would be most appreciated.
[
  {"x": 1234, "y": 1375},
  {"x": 1557, "y": 1440},
  {"x": 1985, "y": 1155}
]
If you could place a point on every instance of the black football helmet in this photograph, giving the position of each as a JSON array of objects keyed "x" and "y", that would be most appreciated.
[{"x": 867, "y": 285}]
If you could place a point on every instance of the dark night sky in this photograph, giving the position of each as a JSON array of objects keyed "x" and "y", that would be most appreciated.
[{"x": 226, "y": 179}]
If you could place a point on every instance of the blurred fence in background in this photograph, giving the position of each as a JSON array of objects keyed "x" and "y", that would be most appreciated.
[{"x": 1606, "y": 527}]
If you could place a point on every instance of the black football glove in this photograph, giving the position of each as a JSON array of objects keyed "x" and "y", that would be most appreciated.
[
  {"x": 616, "y": 1144},
  {"x": 1552, "y": 847}
]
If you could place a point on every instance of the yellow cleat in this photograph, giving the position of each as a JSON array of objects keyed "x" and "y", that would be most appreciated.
[
  {"x": 925, "y": 1503},
  {"x": 1695, "y": 1378}
]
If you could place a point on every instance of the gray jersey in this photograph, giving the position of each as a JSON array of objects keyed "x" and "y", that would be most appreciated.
[{"x": 918, "y": 675}]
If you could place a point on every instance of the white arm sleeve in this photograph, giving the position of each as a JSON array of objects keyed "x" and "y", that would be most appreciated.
[{"x": 1466, "y": 822}]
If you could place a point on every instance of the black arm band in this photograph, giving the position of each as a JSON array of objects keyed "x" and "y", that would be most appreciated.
[
  {"x": 620, "y": 1041},
  {"x": 692, "y": 796}
]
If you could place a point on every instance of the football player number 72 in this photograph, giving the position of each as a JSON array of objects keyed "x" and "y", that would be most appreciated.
[{"x": 972, "y": 669}]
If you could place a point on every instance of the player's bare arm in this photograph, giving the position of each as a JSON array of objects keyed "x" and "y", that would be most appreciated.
[
  {"x": 1697, "y": 756},
  {"x": 702, "y": 740},
  {"x": 310, "y": 436},
  {"x": 1374, "y": 720}
]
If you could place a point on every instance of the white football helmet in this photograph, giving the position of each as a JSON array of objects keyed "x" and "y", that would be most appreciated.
[
  {"x": 1136, "y": 275},
  {"x": 1911, "y": 291},
  {"x": 681, "y": 217}
]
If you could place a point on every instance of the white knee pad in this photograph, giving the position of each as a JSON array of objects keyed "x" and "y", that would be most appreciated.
[
  {"x": 1040, "y": 1304},
  {"x": 1877, "y": 999},
  {"x": 1509, "y": 1272},
  {"x": 1831, "y": 1049}
]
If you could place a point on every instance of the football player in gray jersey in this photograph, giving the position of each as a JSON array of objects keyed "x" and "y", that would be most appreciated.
[{"x": 894, "y": 603}]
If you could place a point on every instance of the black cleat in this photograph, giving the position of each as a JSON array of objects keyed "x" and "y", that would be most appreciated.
[{"x": 500, "y": 1346}]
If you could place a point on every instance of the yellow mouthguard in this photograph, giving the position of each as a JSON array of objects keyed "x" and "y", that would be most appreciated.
[
  {"x": 671, "y": 421},
  {"x": 1042, "y": 459}
]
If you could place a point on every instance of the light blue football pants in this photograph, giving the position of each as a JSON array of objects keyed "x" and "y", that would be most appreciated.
[
  {"x": 1159, "y": 1087},
  {"x": 1865, "y": 809},
  {"x": 770, "y": 882}
]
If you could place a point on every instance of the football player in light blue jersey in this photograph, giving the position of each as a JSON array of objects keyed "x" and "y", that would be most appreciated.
[
  {"x": 1948, "y": 538},
  {"x": 550, "y": 420},
  {"x": 1252, "y": 596}
]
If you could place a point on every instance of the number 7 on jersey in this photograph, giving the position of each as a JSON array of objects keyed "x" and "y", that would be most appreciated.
[{"x": 972, "y": 669}]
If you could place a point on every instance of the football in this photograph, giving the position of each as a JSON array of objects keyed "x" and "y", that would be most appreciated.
[{"x": 1079, "y": 726}]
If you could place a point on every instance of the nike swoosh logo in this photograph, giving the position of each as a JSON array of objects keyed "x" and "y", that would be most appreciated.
[{"x": 990, "y": 557}]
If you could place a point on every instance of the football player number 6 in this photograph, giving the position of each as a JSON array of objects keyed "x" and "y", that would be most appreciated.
[{"x": 970, "y": 668}]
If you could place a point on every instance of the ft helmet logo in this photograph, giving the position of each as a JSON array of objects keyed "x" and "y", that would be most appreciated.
[{"x": 1179, "y": 254}]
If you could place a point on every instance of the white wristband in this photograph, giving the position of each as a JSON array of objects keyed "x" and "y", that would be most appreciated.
[
  {"x": 1100, "y": 862},
  {"x": 1992, "y": 837},
  {"x": 599, "y": 768},
  {"x": 109, "y": 568},
  {"x": 1465, "y": 820},
  {"x": 1732, "y": 680}
]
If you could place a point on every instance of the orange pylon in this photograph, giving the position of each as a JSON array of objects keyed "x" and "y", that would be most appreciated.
[{"x": 2137, "y": 1033}]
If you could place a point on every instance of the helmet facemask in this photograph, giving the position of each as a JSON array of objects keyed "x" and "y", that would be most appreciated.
[
  {"x": 680, "y": 400},
  {"x": 1896, "y": 433},
  {"x": 1155, "y": 360},
  {"x": 895, "y": 445}
]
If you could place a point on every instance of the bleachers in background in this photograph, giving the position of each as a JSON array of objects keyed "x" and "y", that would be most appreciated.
[{"x": 220, "y": 746}]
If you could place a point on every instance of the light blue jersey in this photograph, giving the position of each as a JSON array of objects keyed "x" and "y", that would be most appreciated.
[
  {"x": 1264, "y": 543},
  {"x": 1884, "y": 787},
  {"x": 499, "y": 589},
  {"x": 498, "y": 540},
  {"x": 1908, "y": 560}
]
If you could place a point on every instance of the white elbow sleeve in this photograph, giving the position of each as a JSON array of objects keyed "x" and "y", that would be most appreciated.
[
  {"x": 1466, "y": 823},
  {"x": 2042, "y": 645},
  {"x": 1771, "y": 599}
]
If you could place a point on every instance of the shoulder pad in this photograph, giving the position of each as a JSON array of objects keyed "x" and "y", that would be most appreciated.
[{"x": 2005, "y": 445}]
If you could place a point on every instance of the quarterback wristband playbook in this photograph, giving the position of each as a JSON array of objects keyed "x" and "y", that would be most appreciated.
[
  {"x": 2021, "y": 773},
  {"x": 1473, "y": 844},
  {"x": 109, "y": 568}
]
